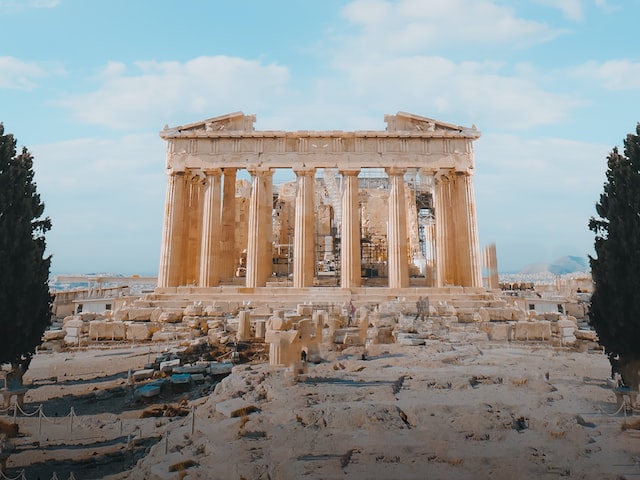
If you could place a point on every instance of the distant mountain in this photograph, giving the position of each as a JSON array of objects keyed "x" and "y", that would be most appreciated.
[
  {"x": 561, "y": 266},
  {"x": 569, "y": 264}
]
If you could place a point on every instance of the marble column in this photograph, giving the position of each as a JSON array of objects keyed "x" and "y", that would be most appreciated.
[
  {"x": 468, "y": 248},
  {"x": 458, "y": 253},
  {"x": 192, "y": 231},
  {"x": 490, "y": 266},
  {"x": 244, "y": 326},
  {"x": 440, "y": 201},
  {"x": 228, "y": 257},
  {"x": 259, "y": 231},
  {"x": 303, "y": 233},
  {"x": 171, "y": 247},
  {"x": 397, "y": 253},
  {"x": 266, "y": 217},
  {"x": 210, "y": 243},
  {"x": 350, "y": 261}
]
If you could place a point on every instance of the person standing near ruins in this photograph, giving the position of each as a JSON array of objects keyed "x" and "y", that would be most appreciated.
[{"x": 352, "y": 311}]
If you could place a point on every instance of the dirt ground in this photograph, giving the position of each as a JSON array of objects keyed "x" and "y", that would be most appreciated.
[
  {"x": 106, "y": 432},
  {"x": 449, "y": 410}
]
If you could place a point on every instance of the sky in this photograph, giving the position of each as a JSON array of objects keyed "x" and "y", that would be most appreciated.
[{"x": 87, "y": 85}]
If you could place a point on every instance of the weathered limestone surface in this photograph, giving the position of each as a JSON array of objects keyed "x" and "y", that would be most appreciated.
[
  {"x": 539, "y": 330},
  {"x": 103, "y": 330},
  {"x": 498, "y": 330}
]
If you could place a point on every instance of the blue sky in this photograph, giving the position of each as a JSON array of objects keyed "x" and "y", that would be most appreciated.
[{"x": 86, "y": 86}]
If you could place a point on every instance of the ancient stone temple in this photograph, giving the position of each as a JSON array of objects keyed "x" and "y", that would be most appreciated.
[{"x": 392, "y": 208}]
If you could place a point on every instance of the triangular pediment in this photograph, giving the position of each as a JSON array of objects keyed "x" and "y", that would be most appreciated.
[
  {"x": 403, "y": 121},
  {"x": 231, "y": 122}
]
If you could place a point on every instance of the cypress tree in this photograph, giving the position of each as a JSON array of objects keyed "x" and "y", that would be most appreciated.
[
  {"x": 615, "y": 304},
  {"x": 25, "y": 301}
]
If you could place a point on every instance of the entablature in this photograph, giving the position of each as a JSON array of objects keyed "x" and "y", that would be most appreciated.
[
  {"x": 409, "y": 141},
  {"x": 456, "y": 161}
]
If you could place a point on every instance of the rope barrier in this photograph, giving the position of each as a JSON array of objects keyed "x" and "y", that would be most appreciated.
[
  {"x": 21, "y": 476},
  {"x": 37, "y": 410}
]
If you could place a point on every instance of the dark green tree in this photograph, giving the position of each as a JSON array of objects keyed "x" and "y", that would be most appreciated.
[
  {"x": 615, "y": 304},
  {"x": 25, "y": 301}
]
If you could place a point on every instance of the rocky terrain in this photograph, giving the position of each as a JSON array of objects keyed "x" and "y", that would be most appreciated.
[{"x": 446, "y": 409}]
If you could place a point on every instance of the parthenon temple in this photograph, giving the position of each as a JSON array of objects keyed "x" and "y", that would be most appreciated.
[{"x": 388, "y": 209}]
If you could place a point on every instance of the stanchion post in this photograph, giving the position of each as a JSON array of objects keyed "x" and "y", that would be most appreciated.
[
  {"x": 71, "y": 424},
  {"x": 15, "y": 411},
  {"x": 166, "y": 443},
  {"x": 193, "y": 419},
  {"x": 40, "y": 422}
]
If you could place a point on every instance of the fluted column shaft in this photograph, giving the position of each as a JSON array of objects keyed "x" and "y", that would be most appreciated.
[
  {"x": 259, "y": 231},
  {"x": 303, "y": 235},
  {"x": 440, "y": 200},
  {"x": 210, "y": 244},
  {"x": 350, "y": 261},
  {"x": 397, "y": 254},
  {"x": 228, "y": 225},
  {"x": 192, "y": 230},
  {"x": 458, "y": 251},
  {"x": 468, "y": 248},
  {"x": 266, "y": 217},
  {"x": 171, "y": 248}
]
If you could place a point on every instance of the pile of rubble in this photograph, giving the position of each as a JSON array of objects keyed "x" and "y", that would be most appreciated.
[{"x": 309, "y": 325}]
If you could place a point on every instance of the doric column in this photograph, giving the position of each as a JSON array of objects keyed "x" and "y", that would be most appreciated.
[
  {"x": 210, "y": 243},
  {"x": 259, "y": 234},
  {"x": 468, "y": 248},
  {"x": 228, "y": 228},
  {"x": 397, "y": 254},
  {"x": 490, "y": 278},
  {"x": 350, "y": 261},
  {"x": 171, "y": 247},
  {"x": 190, "y": 264},
  {"x": 266, "y": 217},
  {"x": 458, "y": 253},
  {"x": 303, "y": 234},
  {"x": 441, "y": 203}
]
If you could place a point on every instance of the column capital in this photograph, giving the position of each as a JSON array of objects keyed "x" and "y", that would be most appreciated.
[
  {"x": 393, "y": 171},
  {"x": 172, "y": 172},
  {"x": 428, "y": 171},
  {"x": 212, "y": 171},
  {"x": 303, "y": 170},
  {"x": 260, "y": 171},
  {"x": 443, "y": 176},
  {"x": 349, "y": 172}
]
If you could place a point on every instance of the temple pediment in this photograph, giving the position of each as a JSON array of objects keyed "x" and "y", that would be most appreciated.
[
  {"x": 231, "y": 122},
  {"x": 403, "y": 121}
]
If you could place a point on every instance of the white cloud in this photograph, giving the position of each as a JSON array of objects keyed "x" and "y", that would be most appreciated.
[
  {"x": 395, "y": 59},
  {"x": 409, "y": 26},
  {"x": 160, "y": 92},
  {"x": 606, "y": 6},
  {"x": 612, "y": 74},
  {"x": 572, "y": 9},
  {"x": 18, "y": 74},
  {"x": 481, "y": 92},
  {"x": 10, "y": 6}
]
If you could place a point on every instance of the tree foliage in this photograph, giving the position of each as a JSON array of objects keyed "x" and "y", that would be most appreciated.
[
  {"x": 25, "y": 302},
  {"x": 615, "y": 304}
]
